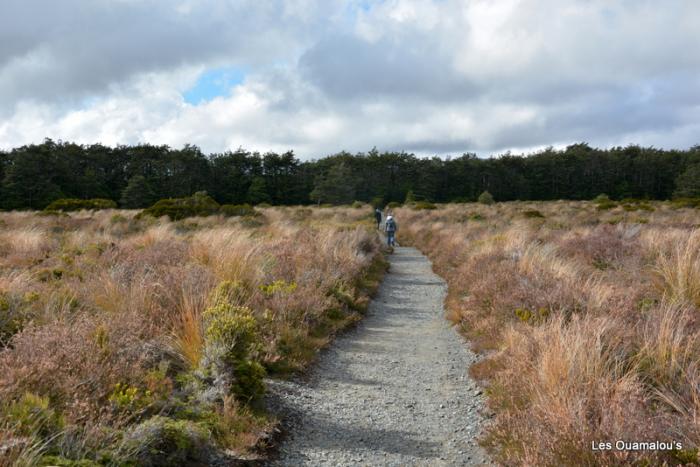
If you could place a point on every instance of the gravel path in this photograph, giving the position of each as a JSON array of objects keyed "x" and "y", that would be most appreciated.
[{"x": 393, "y": 391}]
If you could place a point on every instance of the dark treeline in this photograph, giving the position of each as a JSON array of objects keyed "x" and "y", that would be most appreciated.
[{"x": 135, "y": 176}]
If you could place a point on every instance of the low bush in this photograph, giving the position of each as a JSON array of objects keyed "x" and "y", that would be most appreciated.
[
  {"x": 12, "y": 319},
  {"x": 231, "y": 340},
  {"x": 72, "y": 204},
  {"x": 605, "y": 205},
  {"x": 686, "y": 203},
  {"x": 485, "y": 198},
  {"x": 234, "y": 210},
  {"x": 31, "y": 415},
  {"x": 533, "y": 213},
  {"x": 419, "y": 205},
  {"x": 200, "y": 204},
  {"x": 161, "y": 441}
]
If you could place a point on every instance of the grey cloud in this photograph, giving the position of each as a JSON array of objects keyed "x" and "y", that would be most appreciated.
[
  {"x": 51, "y": 50},
  {"x": 346, "y": 66}
]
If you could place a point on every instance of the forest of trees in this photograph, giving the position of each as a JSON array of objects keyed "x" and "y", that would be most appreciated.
[{"x": 33, "y": 176}]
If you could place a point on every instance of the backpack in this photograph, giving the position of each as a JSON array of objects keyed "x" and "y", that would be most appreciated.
[{"x": 390, "y": 225}]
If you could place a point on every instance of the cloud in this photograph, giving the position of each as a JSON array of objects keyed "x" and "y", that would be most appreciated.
[{"x": 432, "y": 76}]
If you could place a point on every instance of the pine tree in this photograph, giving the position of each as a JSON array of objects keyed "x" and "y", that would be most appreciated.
[
  {"x": 257, "y": 193},
  {"x": 688, "y": 183},
  {"x": 137, "y": 194},
  {"x": 336, "y": 187}
]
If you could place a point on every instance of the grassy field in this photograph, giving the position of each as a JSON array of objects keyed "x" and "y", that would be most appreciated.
[
  {"x": 144, "y": 342},
  {"x": 587, "y": 314}
]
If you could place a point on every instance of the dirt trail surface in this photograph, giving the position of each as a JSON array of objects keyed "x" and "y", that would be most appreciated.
[{"x": 393, "y": 391}]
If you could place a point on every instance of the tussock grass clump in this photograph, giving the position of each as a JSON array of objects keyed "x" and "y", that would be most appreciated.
[
  {"x": 142, "y": 340},
  {"x": 587, "y": 319}
]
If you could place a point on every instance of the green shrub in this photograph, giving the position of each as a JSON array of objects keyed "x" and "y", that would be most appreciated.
[
  {"x": 263, "y": 205},
  {"x": 46, "y": 275},
  {"x": 230, "y": 292},
  {"x": 604, "y": 205},
  {"x": 531, "y": 316},
  {"x": 420, "y": 205},
  {"x": 686, "y": 203},
  {"x": 32, "y": 416},
  {"x": 278, "y": 286},
  {"x": 393, "y": 205},
  {"x": 232, "y": 327},
  {"x": 601, "y": 198},
  {"x": 161, "y": 441},
  {"x": 476, "y": 217},
  {"x": 248, "y": 383},
  {"x": 486, "y": 198},
  {"x": 12, "y": 320},
  {"x": 234, "y": 210},
  {"x": 199, "y": 204},
  {"x": 130, "y": 398},
  {"x": 634, "y": 204},
  {"x": 357, "y": 204},
  {"x": 231, "y": 337},
  {"x": 533, "y": 213},
  {"x": 73, "y": 204}
]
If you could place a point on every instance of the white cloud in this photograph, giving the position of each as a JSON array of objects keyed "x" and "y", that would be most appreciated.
[{"x": 440, "y": 76}]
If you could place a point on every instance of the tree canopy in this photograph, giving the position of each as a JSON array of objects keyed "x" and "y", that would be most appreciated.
[{"x": 33, "y": 176}]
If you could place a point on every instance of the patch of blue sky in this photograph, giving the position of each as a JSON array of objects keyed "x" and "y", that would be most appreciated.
[
  {"x": 214, "y": 83},
  {"x": 357, "y": 6}
]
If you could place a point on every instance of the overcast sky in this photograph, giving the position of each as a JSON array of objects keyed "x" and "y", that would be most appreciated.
[{"x": 319, "y": 76}]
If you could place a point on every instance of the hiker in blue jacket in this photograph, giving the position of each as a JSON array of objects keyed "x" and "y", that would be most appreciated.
[{"x": 390, "y": 227}]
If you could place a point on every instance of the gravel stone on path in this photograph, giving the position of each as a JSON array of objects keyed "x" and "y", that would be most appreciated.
[{"x": 393, "y": 391}]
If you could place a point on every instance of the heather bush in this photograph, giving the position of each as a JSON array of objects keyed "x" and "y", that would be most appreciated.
[{"x": 199, "y": 204}]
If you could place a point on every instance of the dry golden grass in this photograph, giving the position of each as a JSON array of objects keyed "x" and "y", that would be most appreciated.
[
  {"x": 102, "y": 314},
  {"x": 588, "y": 321}
]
